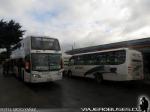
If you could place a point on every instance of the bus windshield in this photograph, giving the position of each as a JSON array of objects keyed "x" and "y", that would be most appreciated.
[
  {"x": 45, "y": 62},
  {"x": 40, "y": 43}
]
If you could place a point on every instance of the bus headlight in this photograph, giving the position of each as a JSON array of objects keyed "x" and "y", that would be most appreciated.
[{"x": 36, "y": 76}]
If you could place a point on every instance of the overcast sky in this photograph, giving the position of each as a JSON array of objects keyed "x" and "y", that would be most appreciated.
[{"x": 81, "y": 22}]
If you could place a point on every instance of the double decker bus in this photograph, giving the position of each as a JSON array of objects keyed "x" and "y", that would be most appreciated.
[
  {"x": 116, "y": 65},
  {"x": 37, "y": 59}
]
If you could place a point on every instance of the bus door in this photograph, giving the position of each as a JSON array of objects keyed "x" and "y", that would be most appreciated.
[
  {"x": 79, "y": 70},
  {"x": 71, "y": 66},
  {"x": 80, "y": 65},
  {"x": 75, "y": 66}
]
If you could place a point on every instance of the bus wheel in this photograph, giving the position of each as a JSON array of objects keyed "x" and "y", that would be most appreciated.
[
  {"x": 70, "y": 74},
  {"x": 98, "y": 78}
]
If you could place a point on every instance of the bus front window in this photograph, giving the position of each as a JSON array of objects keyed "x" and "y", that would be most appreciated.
[
  {"x": 54, "y": 61},
  {"x": 46, "y": 62},
  {"x": 40, "y": 62}
]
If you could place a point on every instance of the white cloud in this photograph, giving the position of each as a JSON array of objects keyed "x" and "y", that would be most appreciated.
[{"x": 85, "y": 22}]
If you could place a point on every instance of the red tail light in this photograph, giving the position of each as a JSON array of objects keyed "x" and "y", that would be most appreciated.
[
  {"x": 27, "y": 66},
  {"x": 129, "y": 68}
]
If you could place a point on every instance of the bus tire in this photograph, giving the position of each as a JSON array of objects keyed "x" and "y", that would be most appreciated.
[
  {"x": 69, "y": 74},
  {"x": 98, "y": 78}
]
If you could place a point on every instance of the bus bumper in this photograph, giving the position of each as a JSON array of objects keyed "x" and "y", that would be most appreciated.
[{"x": 45, "y": 76}]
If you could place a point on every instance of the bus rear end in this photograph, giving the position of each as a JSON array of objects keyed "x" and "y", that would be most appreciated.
[
  {"x": 126, "y": 65},
  {"x": 116, "y": 65},
  {"x": 135, "y": 65}
]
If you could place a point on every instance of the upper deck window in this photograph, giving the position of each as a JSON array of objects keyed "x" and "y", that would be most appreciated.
[{"x": 41, "y": 43}]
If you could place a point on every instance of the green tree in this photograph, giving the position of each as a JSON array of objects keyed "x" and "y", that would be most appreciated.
[{"x": 10, "y": 34}]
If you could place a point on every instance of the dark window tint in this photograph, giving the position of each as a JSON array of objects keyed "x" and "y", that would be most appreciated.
[
  {"x": 44, "y": 43},
  {"x": 46, "y": 62},
  {"x": 40, "y": 62},
  {"x": 54, "y": 61},
  {"x": 107, "y": 58}
]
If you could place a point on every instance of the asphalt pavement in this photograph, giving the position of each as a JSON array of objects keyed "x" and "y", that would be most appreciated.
[{"x": 70, "y": 93}]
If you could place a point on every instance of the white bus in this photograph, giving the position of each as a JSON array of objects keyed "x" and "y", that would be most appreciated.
[
  {"x": 37, "y": 59},
  {"x": 116, "y": 65}
]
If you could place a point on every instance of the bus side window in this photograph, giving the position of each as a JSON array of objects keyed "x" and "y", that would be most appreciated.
[
  {"x": 71, "y": 62},
  {"x": 92, "y": 59},
  {"x": 86, "y": 59},
  {"x": 81, "y": 60},
  {"x": 101, "y": 58},
  {"x": 111, "y": 58},
  {"x": 120, "y": 55}
]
